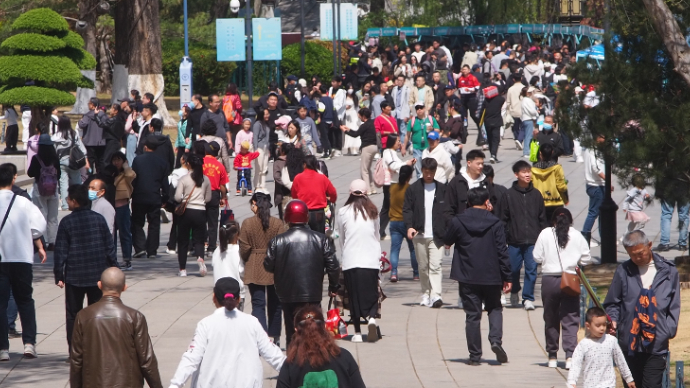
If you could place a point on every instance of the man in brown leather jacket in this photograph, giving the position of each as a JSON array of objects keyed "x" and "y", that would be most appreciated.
[{"x": 111, "y": 346}]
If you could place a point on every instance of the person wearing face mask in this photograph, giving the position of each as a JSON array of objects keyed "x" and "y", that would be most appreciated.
[
  {"x": 548, "y": 134},
  {"x": 101, "y": 205}
]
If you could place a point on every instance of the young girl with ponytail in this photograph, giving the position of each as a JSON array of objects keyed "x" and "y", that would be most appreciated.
[
  {"x": 227, "y": 346},
  {"x": 226, "y": 258}
]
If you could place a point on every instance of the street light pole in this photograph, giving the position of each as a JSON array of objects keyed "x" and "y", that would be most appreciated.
[
  {"x": 335, "y": 61},
  {"x": 339, "y": 65},
  {"x": 607, "y": 214},
  {"x": 250, "y": 61},
  {"x": 186, "y": 31},
  {"x": 302, "y": 51}
]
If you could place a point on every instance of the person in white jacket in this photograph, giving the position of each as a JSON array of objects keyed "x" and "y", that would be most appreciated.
[
  {"x": 560, "y": 249},
  {"x": 227, "y": 346},
  {"x": 393, "y": 164},
  {"x": 530, "y": 113},
  {"x": 227, "y": 262},
  {"x": 446, "y": 170},
  {"x": 358, "y": 225}
]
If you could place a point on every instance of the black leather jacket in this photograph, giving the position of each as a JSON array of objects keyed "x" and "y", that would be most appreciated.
[{"x": 298, "y": 258}]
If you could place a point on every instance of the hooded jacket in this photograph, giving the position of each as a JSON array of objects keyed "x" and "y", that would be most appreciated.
[
  {"x": 625, "y": 290},
  {"x": 481, "y": 256},
  {"x": 456, "y": 193},
  {"x": 164, "y": 149},
  {"x": 549, "y": 179},
  {"x": 522, "y": 210}
]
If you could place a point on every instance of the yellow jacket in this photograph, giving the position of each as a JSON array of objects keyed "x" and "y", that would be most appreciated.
[{"x": 549, "y": 179}]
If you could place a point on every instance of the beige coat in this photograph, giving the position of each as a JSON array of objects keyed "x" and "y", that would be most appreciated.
[
  {"x": 428, "y": 99},
  {"x": 514, "y": 100}
]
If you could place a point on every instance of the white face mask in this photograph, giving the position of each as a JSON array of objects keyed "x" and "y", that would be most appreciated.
[{"x": 350, "y": 91}]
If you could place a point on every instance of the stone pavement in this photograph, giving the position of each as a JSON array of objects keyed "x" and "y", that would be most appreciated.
[{"x": 421, "y": 347}]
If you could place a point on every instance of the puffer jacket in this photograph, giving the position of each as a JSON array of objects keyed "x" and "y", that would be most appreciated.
[
  {"x": 109, "y": 327},
  {"x": 549, "y": 179},
  {"x": 297, "y": 258}
]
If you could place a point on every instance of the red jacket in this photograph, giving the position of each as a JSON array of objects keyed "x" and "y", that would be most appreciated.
[
  {"x": 312, "y": 188},
  {"x": 245, "y": 160},
  {"x": 385, "y": 126},
  {"x": 234, "y": 99},
  {"x": 469, "y": 81},
  {"x": 215, "y": 172}
]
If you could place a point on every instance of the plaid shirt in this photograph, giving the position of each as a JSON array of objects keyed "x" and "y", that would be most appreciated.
[{"x": 83, "y": 248}]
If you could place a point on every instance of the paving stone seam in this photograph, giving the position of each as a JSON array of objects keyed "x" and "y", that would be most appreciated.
[
  {"x": 529, "y": 320},
  {"x": 440, "y": 348}
]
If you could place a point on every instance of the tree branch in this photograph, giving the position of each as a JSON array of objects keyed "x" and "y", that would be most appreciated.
[{"x": 665, "y": 25}]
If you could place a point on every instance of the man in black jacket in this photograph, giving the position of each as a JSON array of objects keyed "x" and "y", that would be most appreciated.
[
  {"x": 423, "y": 214},
  {"x": 470, "y": 177},
  {"x": 298, "y": 258},
  {"x": 481, "y": 266},
  {"x": 549, "y": 135},
  {"x": 522, "y": 210},
  {"x": 113, "y": 131},
  {"x": 150, "y": 192},
  {"x": 194, "y": 118}
]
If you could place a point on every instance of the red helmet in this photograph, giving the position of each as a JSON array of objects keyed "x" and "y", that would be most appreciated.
[{"x": 296, "y": 212}]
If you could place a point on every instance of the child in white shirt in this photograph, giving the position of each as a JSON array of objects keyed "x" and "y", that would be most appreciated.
[
  {"x": 594, "y": 356},
  {"x": 226, "y": 258},
  {"x": 635, "y": 202}
]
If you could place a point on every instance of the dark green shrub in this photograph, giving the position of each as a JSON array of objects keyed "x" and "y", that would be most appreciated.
[
  {"x": 208, "y": 75},
  {"x": 40, "y": 20},
  {"x": 38, "y": 96},
  {"x": 33, "y": 42},
  {"x": 72, "y": 39},
  {"x": 318, "y": 60},
  {"x": 49, "y": 69}
]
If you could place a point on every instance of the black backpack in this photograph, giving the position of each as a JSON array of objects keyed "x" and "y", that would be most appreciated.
[{"x": 290, "y": 93}]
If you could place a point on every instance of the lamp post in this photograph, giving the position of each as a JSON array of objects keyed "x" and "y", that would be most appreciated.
[
  {"x": 250, "y": 61},
  {"x": 302, "y": 50},
  {"x": 186, "y": 87},
  {"x": 607, "y": 213},
  {"x": 335, "y": 54}
]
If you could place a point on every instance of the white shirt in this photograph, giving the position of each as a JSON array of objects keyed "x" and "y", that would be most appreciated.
[
  {"x": 593, "y": 166},
  {"x": 360, "y": 242},
  {"x": 339, "y": 101},
  {"x": 418, "y": 55},
  {"x": 594, "y": 358},
  {"x": 647, "y": 273},
  {"x": 394, "y": 164},
  {"x": 225, "y": 352},
  {"x": 24, "y": 224},
  {"x": 529, "y": 109},
  {"x": 445, "y": 170},
  {"x": 429, "y": 193},
  {"x": 229, "y": 264},
  {"x": 546, "y": 252}
]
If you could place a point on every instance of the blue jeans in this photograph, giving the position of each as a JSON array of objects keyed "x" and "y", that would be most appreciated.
[
  {"x": 526, "y": 128},
  {"x": 123, "y": 226},
  {"x": 596, "y": 198},
  {"x": 402, "y": 128},
  {"x": 398, "y": 233},
  {"x": 12, "y": 313},
  {"x": 265, "y": 298},
  {"x": 519, "y": 254},
  {"x": 417, "y": 154},
  {"x": 68, "y": 177},
  {"x": 131, "y": 148},
  {"x": 667, "y": 215}
]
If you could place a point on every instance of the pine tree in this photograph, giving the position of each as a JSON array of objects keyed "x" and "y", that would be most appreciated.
[{"x": 41, "y": 64}]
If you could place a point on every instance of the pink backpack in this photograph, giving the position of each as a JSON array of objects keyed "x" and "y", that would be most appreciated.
[{"x": 379, "y": 173}]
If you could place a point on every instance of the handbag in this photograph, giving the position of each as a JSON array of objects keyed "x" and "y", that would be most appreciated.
[
  {"x": 570, "y": 283},
  {"x": 7, "y": 214},
  {"x": 334, "y": 322},
  {"x": 180, "y": 209}
]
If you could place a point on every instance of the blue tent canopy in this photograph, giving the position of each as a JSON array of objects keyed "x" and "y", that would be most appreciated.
[{"x": 595, "y": 52}]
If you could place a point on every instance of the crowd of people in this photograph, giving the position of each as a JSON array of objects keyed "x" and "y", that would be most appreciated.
[{"x": 117, "y": 171}]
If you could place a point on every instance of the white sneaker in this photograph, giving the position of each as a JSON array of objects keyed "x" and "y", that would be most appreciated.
[
  {"x": 426, "y": 302},
  {"x": 357, "y": 338},
  {"x": 372, "y": 334},
  {"x": 170, "y": 251},
  {"x": 553, "y": 363},
  {"x": 568, "y": 363},
  {"x": 593, "y": 243},
  {"x": 182, "y": 273},
  {"x": 579, "y": 160},
  {"x": 202, "y": 267},
  {"x": 504, "y": 302},
  {"x": 526, "y": 156},
  {"x": 4, "y": 355},
  {"x": 518, "y": 144},
  {"x": 30, "y": 351},
  {"x": 529, "y": 305}
]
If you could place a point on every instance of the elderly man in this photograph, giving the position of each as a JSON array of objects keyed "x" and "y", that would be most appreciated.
[
  {"x": 644, "y": 305},
  {"x": 101, "y": 205},
  {"x": 109, "y": 327}
]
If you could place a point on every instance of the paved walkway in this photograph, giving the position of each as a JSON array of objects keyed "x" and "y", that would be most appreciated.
[{"x": 421, "y": 347}]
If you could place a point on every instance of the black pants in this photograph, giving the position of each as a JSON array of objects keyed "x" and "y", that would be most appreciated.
[
  {"x": 362, "y": 286},
  {"x": 317, "y": 220},
  {"x": 466, "y": 100},
  {"x": 111, "y": 147},
  {"x": 549, "y": 212},
  {"x": 647, "y": 369},
  {"x": 11, "y": 138},
  {"x": 172, "y": 241},
  {"x": 289, "y": 312},
  {"x": 493, "y": 135},
  {"x": 180, "y": 152},
  {"x": 265, "y": 298},
  {"x": 95, "y": 155},
  {"x": 194, "y": 220},
  {"x": 74, "y": 303},
  {"x": 17, "y": 277},
  {"x": 335, "y": 137},
  {"x": 561, "y": 315},
  {"x": 472, "y": 297},
  {"x": 212, "y": 214},
  {"x": 323, "y": 135},
  {"x": 142, "y": 213},
  {"x": 383, "y": 215}
]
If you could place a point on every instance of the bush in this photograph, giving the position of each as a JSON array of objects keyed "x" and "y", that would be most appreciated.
[
  {"x": 33, "y": 42},
  {"x": 208, "y": 75},
  {"x": 318, "y": 60},
  {"x": 40, "y": 20},
  {"x": 72, "y": 39},
  {"x": 36, "y": 96},
  {"x": 49, "y": 69}
]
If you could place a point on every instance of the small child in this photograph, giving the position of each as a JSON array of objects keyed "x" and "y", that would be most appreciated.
[
  {"x": 243, "y": 165},
  {"x": 634, "y": 204},
  {"x": 593, "y": 356},
  {"x": 245, "y": 134},
  {"x": 226, "y": 258}
]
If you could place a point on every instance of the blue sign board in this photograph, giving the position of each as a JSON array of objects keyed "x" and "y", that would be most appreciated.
[
  {"x": 409, "y": 31},
  {"x": 267, "y": 39},
  {"x": 424, "y": 30},
  {"x": 348, "y": 21},
  {"x": 389, "y": 31},
  {"x": 230, "y": 40},
  {"x": 441, "y": 31}
]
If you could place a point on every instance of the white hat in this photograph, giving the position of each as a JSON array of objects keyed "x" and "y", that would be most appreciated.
[{"x": 302, "y": 82}]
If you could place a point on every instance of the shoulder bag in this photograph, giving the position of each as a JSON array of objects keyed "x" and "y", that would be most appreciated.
[
  {"x": 7, "y": 213},
  {"x": 570, "y": 283},
  {"x": 180, "y": 209}
]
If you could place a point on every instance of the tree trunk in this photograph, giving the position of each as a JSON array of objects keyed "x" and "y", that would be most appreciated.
[
  {"x": 123, "y": 18},
  {"x": 145, "y": 57},
  {"x": 219, "y": 10},
  {"x": 39, "y": 114},
  {"x": 104, "y": 85},
  {"x": 88, "y": 14},
  {"x": 665, "y": 24}
]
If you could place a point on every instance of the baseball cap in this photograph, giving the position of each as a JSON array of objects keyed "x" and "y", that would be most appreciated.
[
  {"x": 292, "y": 77},
  {"x": 450, "y": 87},
  {"x": 419, "y": 106},
  {"x": 126, "y": 99},
  {"x": 302, "y": 82},
  {"x": 433, "y": 135},
  {"x": 358, "y": 187},
  {"x": 226, "y": 288},
  {"x": 475, "y": 67}
]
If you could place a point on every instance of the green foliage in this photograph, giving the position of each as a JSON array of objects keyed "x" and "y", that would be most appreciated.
[
  {"x": 74, "y": 40},
  {"x": 40, "y": 20},
  {"x": 33, "y": 42},
  {"x": 36, "y": 96},
  {"x": 49, "y": 69},
  {"x": 82, "y": 58},
  {"x": 645, "y": 105},
  {"x": 200, "y": 30},
  {"x": 317, "y": 60},
  {"x": 209, "y": 75}
]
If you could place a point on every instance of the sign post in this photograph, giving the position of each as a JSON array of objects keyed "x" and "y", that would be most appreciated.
[{"x": 185, "y": 82}]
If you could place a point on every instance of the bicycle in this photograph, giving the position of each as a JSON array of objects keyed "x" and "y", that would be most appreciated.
[{"x": 242, "y": 182}]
